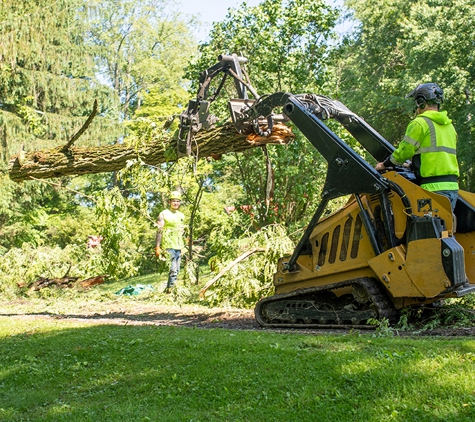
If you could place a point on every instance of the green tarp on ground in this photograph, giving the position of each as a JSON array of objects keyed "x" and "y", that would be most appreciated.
[{"x": 135, "y": 290}]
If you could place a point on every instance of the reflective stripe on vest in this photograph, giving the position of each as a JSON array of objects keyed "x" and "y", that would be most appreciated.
[
  {"x": 433, "y": 141},
  {"x": 412, "y": 141},
  {"x": 437, "y": 159}
]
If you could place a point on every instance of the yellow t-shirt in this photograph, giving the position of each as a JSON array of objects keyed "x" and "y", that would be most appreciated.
[{"x": 173, "y": 229}]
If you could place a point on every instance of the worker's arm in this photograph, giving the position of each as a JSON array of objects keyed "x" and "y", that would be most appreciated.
[
  {"x": 406, "y": 149},
  {"x": 158, "y": 237}
]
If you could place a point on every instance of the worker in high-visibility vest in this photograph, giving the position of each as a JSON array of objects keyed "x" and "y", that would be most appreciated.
[
  {"x": 171, "y": 226},
  {"x": 431, "y": 143}
]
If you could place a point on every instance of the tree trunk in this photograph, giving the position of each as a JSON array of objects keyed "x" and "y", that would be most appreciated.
[{"x": 75, "y": 161}]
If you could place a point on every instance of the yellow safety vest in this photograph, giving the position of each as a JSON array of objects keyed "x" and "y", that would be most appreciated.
[
  {"x": 431, "y": 142},
  {"x": 172, "y": 232}
]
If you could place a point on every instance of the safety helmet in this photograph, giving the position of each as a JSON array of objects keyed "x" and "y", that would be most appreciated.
[
  {"x": 175, "y": 195},
  {"x": 429, "y": 93}
]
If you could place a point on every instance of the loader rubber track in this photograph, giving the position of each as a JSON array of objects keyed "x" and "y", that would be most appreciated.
[{"x": 319, "y": 307}]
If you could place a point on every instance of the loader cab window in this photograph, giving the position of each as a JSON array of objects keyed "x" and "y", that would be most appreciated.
[{"x": 465, "y": 214}]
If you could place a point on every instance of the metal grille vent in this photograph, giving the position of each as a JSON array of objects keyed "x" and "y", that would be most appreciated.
[
  {"x": 356, "y": 238},
  {"x": 346, "y": 238},
  {"x": 323, "y": 250},
  {"x": 334, "y": 244}
]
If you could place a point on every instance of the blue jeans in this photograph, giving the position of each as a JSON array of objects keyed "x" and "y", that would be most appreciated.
[
  {"x": 175, "y": 255},
  {"x": 451, "y": 194}
]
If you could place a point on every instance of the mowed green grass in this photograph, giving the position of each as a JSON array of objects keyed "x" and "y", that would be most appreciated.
[{"x": 60, "y": 370}]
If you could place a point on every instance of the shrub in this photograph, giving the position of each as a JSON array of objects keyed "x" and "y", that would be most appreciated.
[
  {"x": 26, "y": 264},
  {"x": 250, "y": 279}
]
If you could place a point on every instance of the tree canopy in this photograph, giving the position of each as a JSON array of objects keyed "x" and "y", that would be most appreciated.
[
  {"x": 138, "y": 60},
  {"x": 56, "y": 59},
  {"x": 400, "y": 44}
]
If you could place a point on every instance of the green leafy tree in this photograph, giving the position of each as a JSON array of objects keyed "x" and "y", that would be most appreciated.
[
  {"x": 286, "y": 43},
  {"x": 42, "y": 213},
  {"x": 400, "y": 44},
  {"x": 140, "y": 48},
  {"x": 56, "y": 58}
]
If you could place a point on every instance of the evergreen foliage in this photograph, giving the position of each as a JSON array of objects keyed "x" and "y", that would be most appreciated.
[{"x": 48, "y": 77}]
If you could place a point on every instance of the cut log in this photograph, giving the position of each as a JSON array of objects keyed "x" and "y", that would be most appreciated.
[
  {"x": 63, "y": 282},
  {"x": 74, "y": 161},
  {"x": 93, "y": 281},
  {"x": 42, "y": 282}
]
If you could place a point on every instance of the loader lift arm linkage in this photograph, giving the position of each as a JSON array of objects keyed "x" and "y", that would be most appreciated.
[
  {"x": 307, "y": 112},
  {"x": 385, "y": 271},
  {"x": 347, "y": 172}
]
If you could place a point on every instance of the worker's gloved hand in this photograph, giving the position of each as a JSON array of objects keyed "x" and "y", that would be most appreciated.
[{"x": 158, "y": 251}]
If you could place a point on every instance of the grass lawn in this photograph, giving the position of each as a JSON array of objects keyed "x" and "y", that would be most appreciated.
[{"x": 60, "y": 370}]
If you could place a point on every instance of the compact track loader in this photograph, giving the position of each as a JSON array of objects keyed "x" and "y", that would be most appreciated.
[{"x": 393, "y": 245}]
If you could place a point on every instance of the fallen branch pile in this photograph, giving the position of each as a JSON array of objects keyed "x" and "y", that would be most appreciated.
[
  {"x": 228, "y": 268},
  {"x": 63, "y": 282}
]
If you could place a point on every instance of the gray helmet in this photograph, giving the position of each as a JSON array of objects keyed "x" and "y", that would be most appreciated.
[{"x": 429, "y": 93}]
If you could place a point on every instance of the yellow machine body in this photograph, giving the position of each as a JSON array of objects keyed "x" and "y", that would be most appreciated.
[
  {"x": 411, "y": 273},
  {"x": 392, "y": 245}
]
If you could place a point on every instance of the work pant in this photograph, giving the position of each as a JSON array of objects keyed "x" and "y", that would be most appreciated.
[
  {"x": 451, "y": 194},
  {"x": 175, "y": 256}
]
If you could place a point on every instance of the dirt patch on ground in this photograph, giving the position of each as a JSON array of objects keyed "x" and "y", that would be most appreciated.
[
  {"x": 165, "y": 316},
  {"x": 133, "y": 313},
  {"x": 446, "y": 332},
  {"x": 185, "y": 316}
]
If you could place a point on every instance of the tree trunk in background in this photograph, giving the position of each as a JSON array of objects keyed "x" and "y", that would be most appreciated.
[{"x": 76, "y": 161}]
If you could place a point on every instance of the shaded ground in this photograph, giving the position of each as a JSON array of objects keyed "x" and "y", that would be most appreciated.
[
  {"x": 140, "y": 314},
  {"x": 160, "y": 315},
  {"x": 134, "y": 313}
]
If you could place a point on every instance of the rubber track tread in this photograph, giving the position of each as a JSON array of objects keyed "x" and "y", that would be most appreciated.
[{"x": 378, "y": 296}]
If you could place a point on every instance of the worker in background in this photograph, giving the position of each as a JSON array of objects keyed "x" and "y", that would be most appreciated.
[
  {"x": 171, "y": 226},
  {"x": 431, "y": 142}
]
